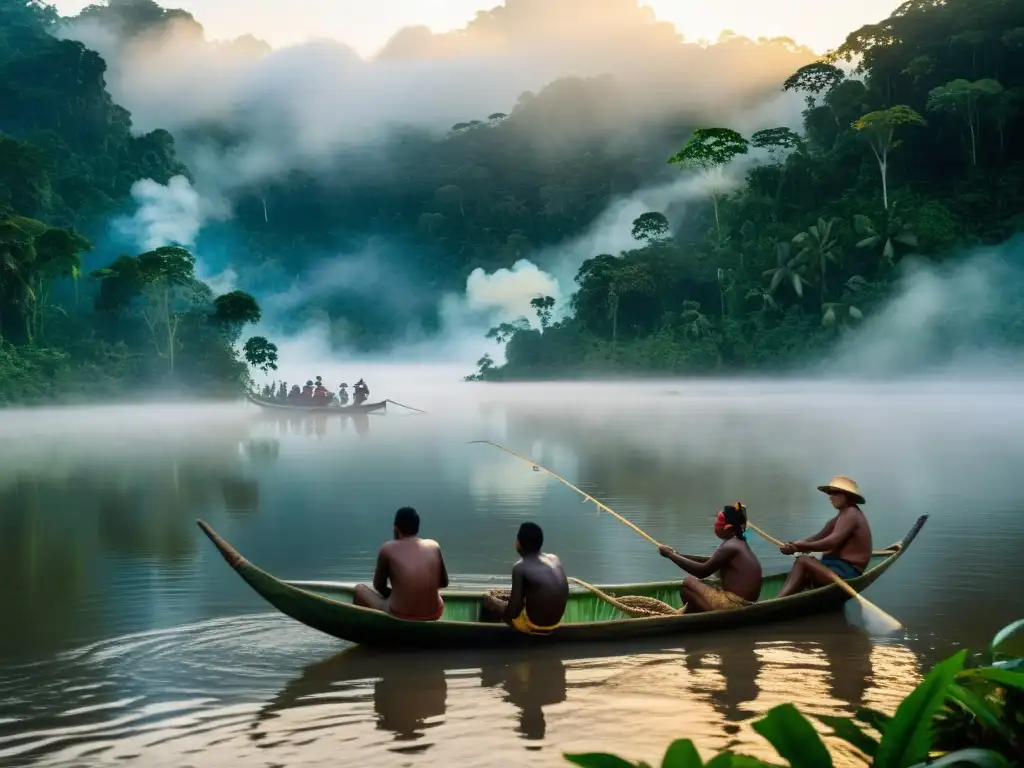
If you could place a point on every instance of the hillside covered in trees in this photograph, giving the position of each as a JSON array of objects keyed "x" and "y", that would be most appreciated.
[
  {"x": 362, "y": 216},
  {"x": 68, "y": 159},
  {"x": 918, "y": 151}
]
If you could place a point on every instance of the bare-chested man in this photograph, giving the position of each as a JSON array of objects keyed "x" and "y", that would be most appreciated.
[
  {"x": 539, "y": 587},
  {"x": 846, "y": 540},
  {"x": 734, "y": 560},
  {"x": 415, "y": 569}
]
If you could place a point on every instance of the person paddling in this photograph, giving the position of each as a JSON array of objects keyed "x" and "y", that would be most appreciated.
[
  {"x": 415, "y": 569},
  {"x": 540, "y": 589},
  {"x": 734, "y": 559},
  {"x": 845, "y": 540}
]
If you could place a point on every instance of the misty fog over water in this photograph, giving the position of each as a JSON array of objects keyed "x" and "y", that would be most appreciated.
[{"x": 99, "y": 545}]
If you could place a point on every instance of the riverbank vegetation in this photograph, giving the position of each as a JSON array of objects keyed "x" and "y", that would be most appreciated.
[
  {"x": 142, "y": 325},
  {"x": 967, "y": 712},
  {"x": 917, "y": 151}
]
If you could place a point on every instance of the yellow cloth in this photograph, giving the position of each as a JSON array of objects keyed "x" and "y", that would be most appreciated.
[
  {"x": 523, "y": 624},
  {"x": 723, "y": 600}
]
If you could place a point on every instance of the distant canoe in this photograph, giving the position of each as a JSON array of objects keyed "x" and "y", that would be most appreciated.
[
  {"x": 328, "y": 607},
  {"x": 276, "y": 405}
]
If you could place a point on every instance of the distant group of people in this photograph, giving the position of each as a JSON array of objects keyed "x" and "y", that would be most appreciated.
[
  {"x": 411, "y": 571},
  {"x": 315, "y": 394}
]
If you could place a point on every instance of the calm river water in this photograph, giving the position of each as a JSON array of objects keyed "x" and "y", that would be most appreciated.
[{"x": 127, "y": 639}]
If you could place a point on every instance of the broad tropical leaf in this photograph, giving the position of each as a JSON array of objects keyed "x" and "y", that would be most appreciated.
[
  {"x": 976, "y": 705},
  {"x": 681, "y": 753},
  {"x": 979, "y": 758},
  {"x": 907, "y": 737},
  {"x": 848, "y": 730},
  {"x": 599, "y": 760},
  {"x": 874, "y": 718},
  {"x": 1009, "y": 641},
  {"x": 1005, "y": 677},
  {"x": 793, "y": 737},
  {"x": 730, "y": 760}
]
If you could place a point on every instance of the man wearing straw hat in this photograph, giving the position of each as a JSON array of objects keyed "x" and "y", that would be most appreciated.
[{"x": 845, "y": 540}]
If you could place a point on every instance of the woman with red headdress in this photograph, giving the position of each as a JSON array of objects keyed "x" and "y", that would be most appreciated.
[{"x": 734, "y": 561}]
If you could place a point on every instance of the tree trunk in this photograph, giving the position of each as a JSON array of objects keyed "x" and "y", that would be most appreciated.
[
  {"x": 778, "y": 196},
  {"x": 718, "y": 224},
  {"x": 883, "y": 167},
  {"x": 974, "y": 139}
]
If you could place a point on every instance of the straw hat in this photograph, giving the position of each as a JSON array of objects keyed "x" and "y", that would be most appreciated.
[{"x": 843, "y": 484}]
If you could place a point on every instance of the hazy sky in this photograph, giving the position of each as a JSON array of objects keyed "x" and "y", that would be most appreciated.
[{"x": 367, "y": 26}]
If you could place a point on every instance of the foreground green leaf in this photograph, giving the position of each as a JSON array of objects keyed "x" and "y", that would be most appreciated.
[
  {"x": 730, "y": 760},
  {"x": 874, "y": 718},
  {"x": 907, "y": 737},
  {"x": 793, "y": 737},
  {"x": 598, "y": 760},
  {"x": 1009, "y": 641},
  {"x": 977, "y": 707},
  {"x": 968, "y": 758},
  {"x": 847, "y": 730},
  {"x": 998, "y": 675},
  {"x": 682, "y": 754}
]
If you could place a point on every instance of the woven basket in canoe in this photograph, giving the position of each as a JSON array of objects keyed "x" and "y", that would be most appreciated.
[{"x": 635, "y": 606}]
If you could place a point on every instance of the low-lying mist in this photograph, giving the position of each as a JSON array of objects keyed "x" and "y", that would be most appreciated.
[{"x": 246, "y": 117}]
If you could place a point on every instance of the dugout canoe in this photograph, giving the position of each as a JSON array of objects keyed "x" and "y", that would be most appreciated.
[
  {"x": 327, "y": 607},
  {"x": 275, "y": 405}
]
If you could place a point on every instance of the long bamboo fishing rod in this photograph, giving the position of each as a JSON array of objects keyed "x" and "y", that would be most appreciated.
[
  {"x": 403, "y": 405},
  {"x": 586, "y": 496},
  {"x": 883, "y": 620}
]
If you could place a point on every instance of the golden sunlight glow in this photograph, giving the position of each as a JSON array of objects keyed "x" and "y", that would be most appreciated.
[{"x": 368, "y": 27}]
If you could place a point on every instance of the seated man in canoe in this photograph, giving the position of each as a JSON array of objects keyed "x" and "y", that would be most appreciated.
[
  {"x": 845, "y": 540},
  {"x": 734, "y": 561},
  {"x": 319, "y": 394},
  {"x": 540, "y": 589},
  {"x": 415, "y": 569}
]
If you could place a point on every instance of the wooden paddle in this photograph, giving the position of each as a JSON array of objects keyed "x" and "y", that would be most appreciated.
[{"x": 876, "y": 621}]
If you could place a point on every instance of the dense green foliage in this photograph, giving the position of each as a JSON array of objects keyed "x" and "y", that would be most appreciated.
[
  {"x": 418, "y": 205},
  {"x": 964, "y": 713},
  {"x": 67, "y": 159},
  {"x": 918, "y": 153}
]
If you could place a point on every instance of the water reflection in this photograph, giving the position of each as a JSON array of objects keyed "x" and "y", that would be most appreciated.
[
  {"x": 96, "y": 535},
  {"x": 318, "y": 425},
  {"x": 410, "y": 693},
  {"x": 529, "y": 684},
  {"x": 192, "y": 693}
]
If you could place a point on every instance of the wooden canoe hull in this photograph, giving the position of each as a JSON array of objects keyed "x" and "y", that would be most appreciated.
[
  {"x": 327, "y": 608},
  {"x": 274, "y": 405}
]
